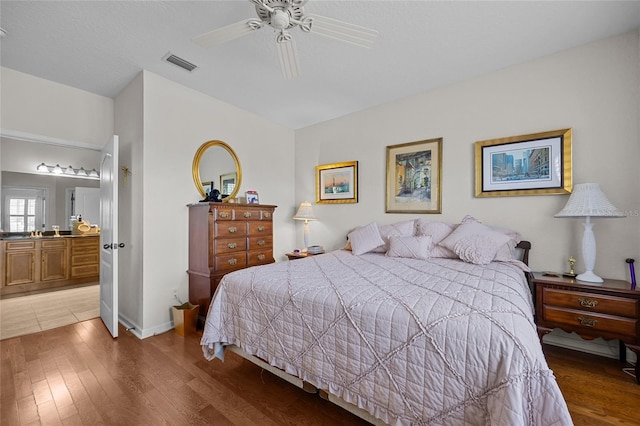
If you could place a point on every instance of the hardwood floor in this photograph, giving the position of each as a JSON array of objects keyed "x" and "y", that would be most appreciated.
[{"x": 78, "y": 375}]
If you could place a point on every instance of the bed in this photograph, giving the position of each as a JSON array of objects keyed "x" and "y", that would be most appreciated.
[{"x": 399, "y": 337}]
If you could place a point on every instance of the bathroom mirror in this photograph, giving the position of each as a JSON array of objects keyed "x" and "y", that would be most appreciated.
[{"x": 216, "y": 166}]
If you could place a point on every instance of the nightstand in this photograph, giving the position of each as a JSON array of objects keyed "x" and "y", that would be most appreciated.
[
  {"x": 299, "y": 255},
  {"x": 610, "y": 310}
]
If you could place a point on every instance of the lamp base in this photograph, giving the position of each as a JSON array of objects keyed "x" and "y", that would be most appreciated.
[{"x": 590, "y": 277}]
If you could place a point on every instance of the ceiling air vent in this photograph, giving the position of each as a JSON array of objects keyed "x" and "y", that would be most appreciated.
[{"x": 182, "y": 63}]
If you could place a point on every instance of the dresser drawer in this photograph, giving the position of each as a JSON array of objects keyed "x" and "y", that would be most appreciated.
[
  {"x": 20, "y": 245},
  {"x": 85, "y": 259},
  {"x": 247, "y": 214},
  {"x": 260, "y": 228},
  {"x": 85, "y": 242},
  {"x": 590, "y": 321},
  {"x": 591, "y": 302},
  {"x": 260, "y": 257},
  {"x": 85, "y": 270},
  {"x": 230, "y": 229},
  {"x": 231, "y": 245},
  {"x": 58, "y": 243},
  {"x": 260, "y": 243},
  {"x": 224, "y": 214},
  {"x": 230, "y": 262}
]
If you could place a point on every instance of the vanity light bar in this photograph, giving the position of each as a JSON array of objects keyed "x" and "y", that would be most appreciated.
[{"x": 68, "y": 171}]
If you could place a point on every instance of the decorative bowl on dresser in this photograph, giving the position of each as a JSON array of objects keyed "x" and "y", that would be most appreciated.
[
  {"x": 225, "y": 237},
  {"x": 610, "y": 310}
]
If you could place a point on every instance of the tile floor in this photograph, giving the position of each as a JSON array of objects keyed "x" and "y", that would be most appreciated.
[{"x": 44, "y": 311}]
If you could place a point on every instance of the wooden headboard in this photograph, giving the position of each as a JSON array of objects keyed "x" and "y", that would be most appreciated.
[{"x": 525, "y": 246}]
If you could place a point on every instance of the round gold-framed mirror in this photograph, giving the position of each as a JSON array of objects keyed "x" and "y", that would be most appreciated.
[{"x": 216, "y": 166}]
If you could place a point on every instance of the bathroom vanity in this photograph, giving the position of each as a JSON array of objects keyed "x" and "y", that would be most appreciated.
[{"x": 31, "y": 264}]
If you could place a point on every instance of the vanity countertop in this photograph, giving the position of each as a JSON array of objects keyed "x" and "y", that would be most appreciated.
[{"x": 22, "y": 236}]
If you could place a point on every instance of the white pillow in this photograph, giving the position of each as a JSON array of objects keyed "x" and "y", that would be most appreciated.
[
  {"x": 475, "y": 243},
  {"x": 411, "y": 247},
  {"x": 365, "y": 239},
  {"x": 438, "y": 232},
  {"x": 399, "y": 229}
]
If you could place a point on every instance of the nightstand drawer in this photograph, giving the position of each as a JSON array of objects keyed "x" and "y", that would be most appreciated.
[
  {"x": 591, "y": 302},
  {"x": 594, "y": 322}
]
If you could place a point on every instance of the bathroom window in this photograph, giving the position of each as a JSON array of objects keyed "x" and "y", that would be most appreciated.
[{"x": 24, "y": 210}]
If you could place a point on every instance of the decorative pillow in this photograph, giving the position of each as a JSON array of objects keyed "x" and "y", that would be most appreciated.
[
  {"x": 365, "y": 239},
  {"x": 507, "y": 252},
  {"x": 474, "y": 242},
  {"x": 438, "y": 232},
  {"x": 411, "y": 247},
  {"x": 400, "y": 229}
]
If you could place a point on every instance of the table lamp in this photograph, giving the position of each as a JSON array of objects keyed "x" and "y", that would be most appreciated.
[
  {"x": 305, "y": 212},
  {"x": 587, "y": 200}
]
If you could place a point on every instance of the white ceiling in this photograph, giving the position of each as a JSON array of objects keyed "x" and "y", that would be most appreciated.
[{"x": 100, "y": 46}]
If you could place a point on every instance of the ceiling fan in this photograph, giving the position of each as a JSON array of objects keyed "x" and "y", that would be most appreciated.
[{"x": 282, "y": 16}]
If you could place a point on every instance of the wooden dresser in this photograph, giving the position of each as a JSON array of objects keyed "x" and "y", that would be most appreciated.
[
  {"x": 225, "y": 237},
  {"x": 610, "y": 310}
]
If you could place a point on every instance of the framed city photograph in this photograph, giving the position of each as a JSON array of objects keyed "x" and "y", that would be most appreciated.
[
  {"x": 414, "y": 175},
  {"x": 534, "y": 164},
  {"x": 337, "y": 183},
  {"x": 228, "y": 183}
]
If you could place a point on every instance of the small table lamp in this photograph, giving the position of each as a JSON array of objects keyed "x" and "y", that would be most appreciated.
[
  {"x": 305, "y": 212},
  {"x": 587, "y": 200}
]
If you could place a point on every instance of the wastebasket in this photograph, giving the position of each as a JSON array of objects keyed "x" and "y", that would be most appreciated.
[{"x": 185, "y": 318}]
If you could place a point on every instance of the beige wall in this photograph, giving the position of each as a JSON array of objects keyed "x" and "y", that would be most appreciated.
[
  {"x": 169, "y": 125},
  {"x": 593, "y": 89}
]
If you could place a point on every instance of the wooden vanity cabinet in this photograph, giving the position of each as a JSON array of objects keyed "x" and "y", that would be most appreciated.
[
  {"x": 54, "y": 256},
  {"x": 225, "y": 237},
  {"x": 32, "y": 264},
  {"x": 20, "y": 262}
]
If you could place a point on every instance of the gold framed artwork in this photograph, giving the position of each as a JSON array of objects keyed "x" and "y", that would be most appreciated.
[
  {"x": 337, "y": 183},
  {"x": 228, "y": 183},
  {"x": 533, "y": 164},
  {"x": 414, "y": 177}
]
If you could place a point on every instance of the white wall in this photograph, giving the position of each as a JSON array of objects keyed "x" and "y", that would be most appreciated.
[
  {"x": 177, "y": 120},
  {"x": 593, "y": 89},
  {"x": 35, "y": 106}
]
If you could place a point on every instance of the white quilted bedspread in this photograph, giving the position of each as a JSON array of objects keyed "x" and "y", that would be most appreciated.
[{"x": 413, "y": 342}]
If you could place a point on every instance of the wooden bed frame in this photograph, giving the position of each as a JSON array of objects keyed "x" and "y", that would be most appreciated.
[{"x": 524, "y": 246}]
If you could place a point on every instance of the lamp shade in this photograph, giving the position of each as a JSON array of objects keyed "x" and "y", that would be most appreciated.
[
  {"x": 305, "y": 212},
  {"x": 588, "y": 200}
]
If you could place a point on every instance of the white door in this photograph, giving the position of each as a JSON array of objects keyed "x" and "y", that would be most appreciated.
[
  {"x": 88, "y": 203},
  {"x": 109, "y": 236}
]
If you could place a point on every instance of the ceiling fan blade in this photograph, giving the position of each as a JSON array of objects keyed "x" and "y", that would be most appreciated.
[
  {"x": 343, "y": 31},
  {"x": 288, "y": 57},
  {"x": 228, "y": 33}
]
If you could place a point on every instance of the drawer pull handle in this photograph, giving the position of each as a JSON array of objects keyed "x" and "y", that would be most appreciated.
[
  {"x": 261, "y": 243},
  {"x": 247, "y": 214},
  {"x": 260, "y": 228},
  {"x": 233, "y": 261},
  {"x": 224, "y": 215},
  {"x": 232, "y": 245},
  {"x": 232, "y": 229},
  {"x": 588, "y": 303},
  {"x": 261, "y": 257},
  {"x": 267, "y": 215},
  {"x": 588, "y": 322}
]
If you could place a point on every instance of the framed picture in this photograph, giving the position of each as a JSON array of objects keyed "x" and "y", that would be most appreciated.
[
  {"x": 535, "y": 164},
  {"x": 208, "y": 186},
  {"x": 228, "y": 183},
  {"x": 252, "y": 197},
  {"x": 414, "y": 174},
  {"x": 337, "y": 183}
]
